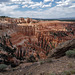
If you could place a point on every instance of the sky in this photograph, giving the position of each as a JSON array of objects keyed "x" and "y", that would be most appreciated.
[{"x": 48, "y": 9}]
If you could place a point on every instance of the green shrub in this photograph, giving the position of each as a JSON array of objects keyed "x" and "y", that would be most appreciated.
[
  {"x": 70, "y": 65},
  {"x": 3, "y": 66},
  {"x": 73, "y": 49},
  {"x": 66, "y": 73},
  {"x": 72, "y": 71},
  {"x": 41, "y": 62},
  {"x": 70, "y": 53},
  {"x": 49, "y": 60}
]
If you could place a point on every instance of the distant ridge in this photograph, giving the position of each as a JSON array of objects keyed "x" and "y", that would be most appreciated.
[
  {"x": 4, "y": 17},
  {"x": 45, "y": 19},
  {"x": 59, "y": 19}
]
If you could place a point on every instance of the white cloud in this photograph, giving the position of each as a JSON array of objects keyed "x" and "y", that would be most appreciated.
[
  {"x": 54, "y": 12},
  {"x": 5, "y": 7},
  {"x": 60, "y": 2},
  {"x": 6, "y": 10},
  {"x": 36, "y": 5},
  {"x": 24, "y": 6},
  {"x": 65, "y": 3},
  {"x": 57, "y": 11},
  {"x": 48, "y": 5},
  {"x": 22, "y": 2},
  {"x": 72, "y": 6},
  {"x": 48, "y": 0},
  {"x": 27, "y": 2}
]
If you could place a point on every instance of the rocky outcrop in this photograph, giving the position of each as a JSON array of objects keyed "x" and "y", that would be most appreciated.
[{"x": 60, "y": 50}]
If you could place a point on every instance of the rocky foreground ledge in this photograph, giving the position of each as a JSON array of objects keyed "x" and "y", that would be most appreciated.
[{"x": 60, "y": 50}]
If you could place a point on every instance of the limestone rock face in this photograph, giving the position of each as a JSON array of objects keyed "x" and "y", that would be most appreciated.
[{"x": 62, "y": 48}]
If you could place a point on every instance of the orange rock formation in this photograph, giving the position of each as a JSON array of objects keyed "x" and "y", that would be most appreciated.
[{"x": 36, "y": 38}]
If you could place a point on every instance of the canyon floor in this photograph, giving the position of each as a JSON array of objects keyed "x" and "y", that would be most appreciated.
[{"x": 39, "y": 68}]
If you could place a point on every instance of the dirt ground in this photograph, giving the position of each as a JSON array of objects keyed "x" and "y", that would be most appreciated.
[{"x": 56, "y": 66}]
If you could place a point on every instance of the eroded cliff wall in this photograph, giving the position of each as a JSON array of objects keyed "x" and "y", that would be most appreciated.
[{"x": 36, "y": 38}]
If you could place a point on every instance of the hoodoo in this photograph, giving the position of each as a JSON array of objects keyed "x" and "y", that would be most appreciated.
[{"x": 37, "y": 38}]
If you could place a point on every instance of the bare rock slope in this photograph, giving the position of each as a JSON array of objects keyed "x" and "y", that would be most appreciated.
[{"x": 62, "y": 48}]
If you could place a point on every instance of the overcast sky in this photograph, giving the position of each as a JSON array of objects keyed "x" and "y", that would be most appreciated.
[{"x": 38, "y": 8}]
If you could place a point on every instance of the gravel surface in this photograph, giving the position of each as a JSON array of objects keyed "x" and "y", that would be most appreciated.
[{"x": 57, "y": 66}]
